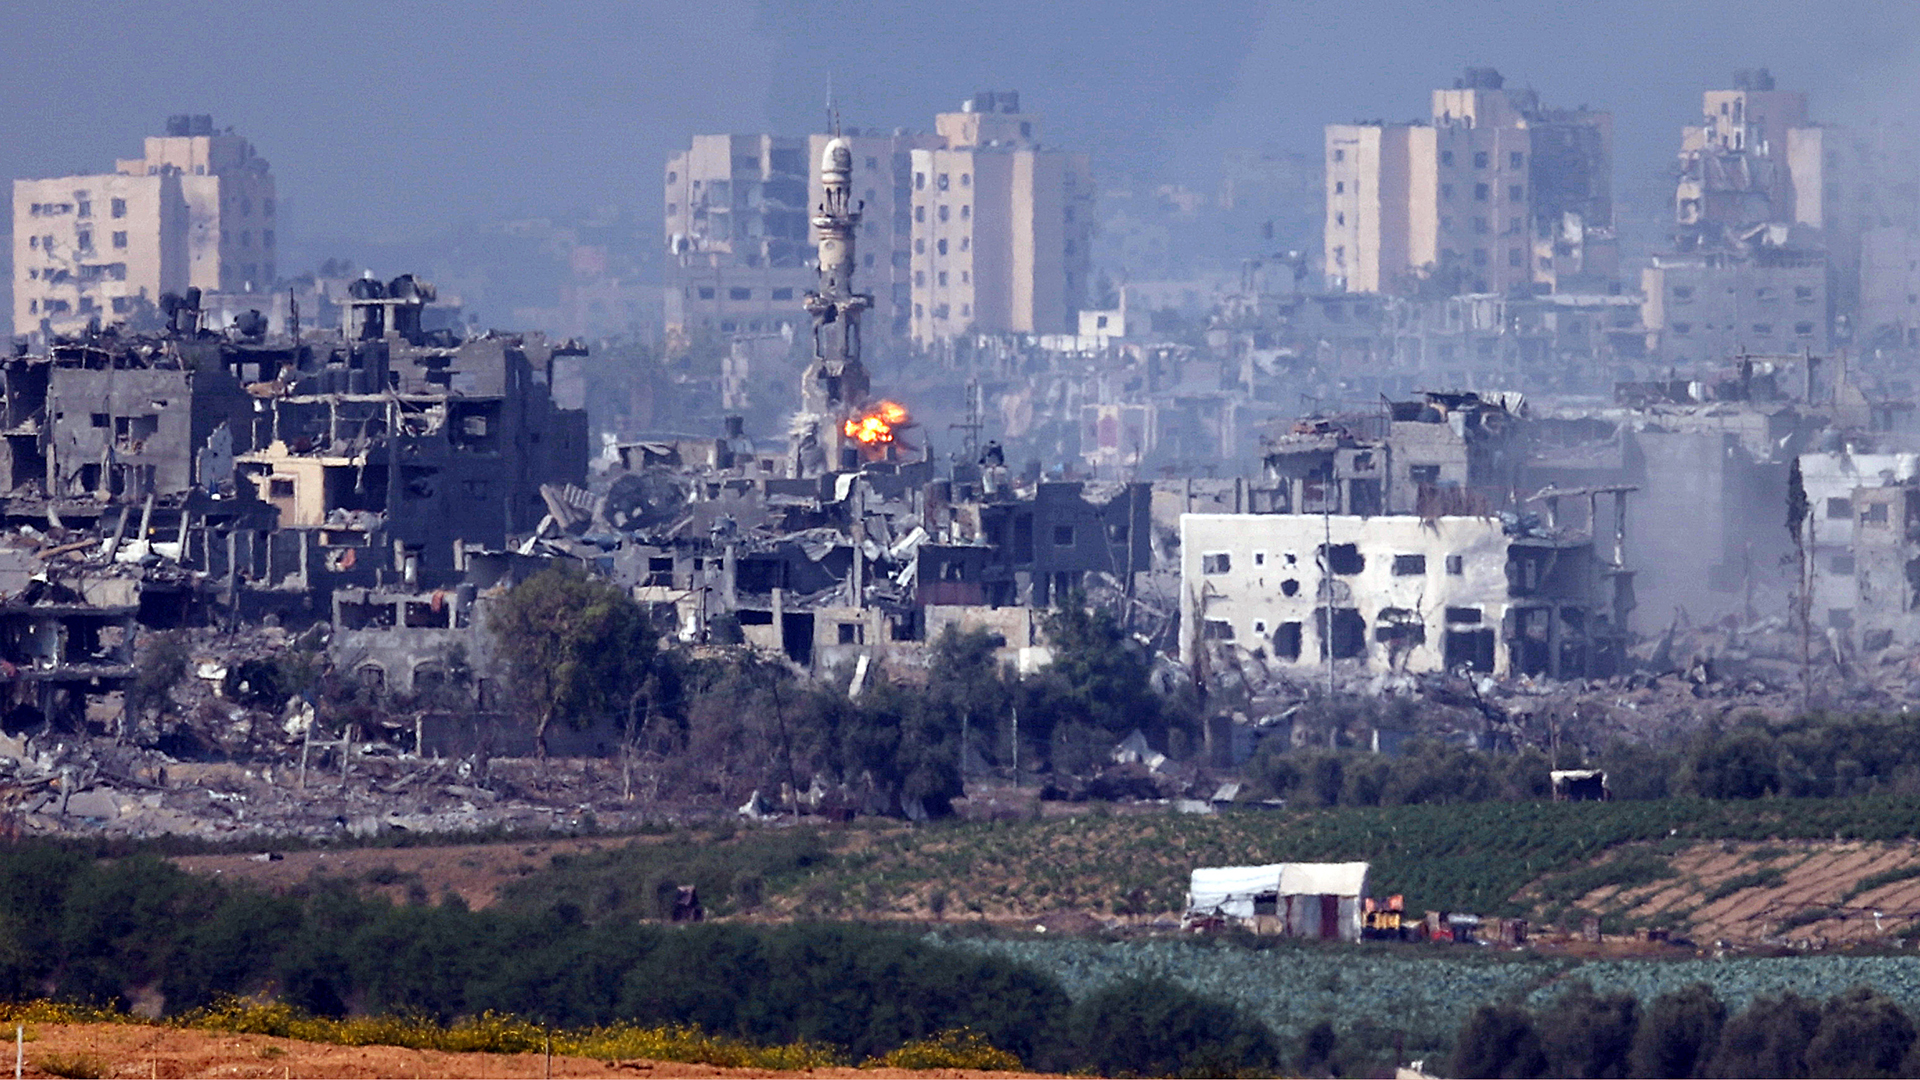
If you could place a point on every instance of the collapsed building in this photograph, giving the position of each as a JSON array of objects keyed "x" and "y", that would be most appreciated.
[{"x": 199, "y": 475}]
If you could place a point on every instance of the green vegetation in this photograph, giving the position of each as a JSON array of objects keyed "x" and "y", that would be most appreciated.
[
  {"x": 1479, "y": 857},
  {"x": 1688, "y": 1032},
  {"x": 1765, "y": 877},
  {"x": 346, "y": 968},
  {"x": 1885, "y": 877},
  {"x": 576, "y": 648}
]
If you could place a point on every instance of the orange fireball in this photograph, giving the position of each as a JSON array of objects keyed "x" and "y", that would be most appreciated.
[{"x": 876, "y": 425}]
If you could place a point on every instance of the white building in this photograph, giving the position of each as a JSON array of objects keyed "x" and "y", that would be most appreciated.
[
  {"x": 1864, "y": 564},
  {"x": 1401, "y": 593}
]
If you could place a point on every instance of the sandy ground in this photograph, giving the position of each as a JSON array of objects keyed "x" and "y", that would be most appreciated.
[
  {"x": 132, "y": 1050},
  {"x": 474, "y": 871},
  {"x": 1814, "y": 880}
]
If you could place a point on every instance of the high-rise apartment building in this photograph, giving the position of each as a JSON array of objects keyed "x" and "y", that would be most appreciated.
[
  {"x": 1495, "y": 194},
  {"x": 196, "y": 211},
  {"x": 737, "y": 234},
  {"x": 1001, "y": 226}
]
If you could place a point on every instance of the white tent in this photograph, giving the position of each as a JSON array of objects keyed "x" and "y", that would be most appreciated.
[{"x": 1316, "y": 900}]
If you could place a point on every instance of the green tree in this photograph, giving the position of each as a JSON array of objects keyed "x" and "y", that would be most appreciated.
[
  {"x": 1679, "y": 1034},
  {"x": 1588, "y": 1035},
  {"x": 1498, "y": 1040},
  {"x": 159, "y": 667},
  {"x": 964, "y": 681},
  {"x": 1100, "y": 673},
  {"x": 1769, "y": 1039},
  {"x": 1862, "y": 1033},
  {"x": 1153, "y": 1027},
  {"x": 574, "y": 648}
]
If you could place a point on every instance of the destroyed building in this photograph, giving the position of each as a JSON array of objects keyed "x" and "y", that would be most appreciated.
[
  {"x": 1862, "y": 540},
  {"x": 1403, "y": 593}
]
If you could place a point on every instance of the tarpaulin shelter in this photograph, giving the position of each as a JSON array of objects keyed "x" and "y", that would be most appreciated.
[{"x": 1314, "y": 900}]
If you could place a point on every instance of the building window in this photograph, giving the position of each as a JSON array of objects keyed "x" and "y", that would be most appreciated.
[
  {"x": 1481, "y": 192},
  {"x": 1480, "y": 159},
  {"x": 1481, "y": 227},
  {"x": 266, "y": 238},
  {"x": 86, "y": 209},
  {"x": 940, "y": 247},
  {"x": 1409, "y": 565},
  {"x": 920, "y": 277},
  {"x": 1339, "y": 155},
  {"x": 1516, "y": 159},
  {"x": 706, "y": 292},
  {"x": 738, "y": 293},
  {"x": 1479, "y": 256},
  {"x": 943, "y": 278},
  {"x": 1803, "y": 293},
  {"x": 919, "y": 181},
  {"x": 945, "y": 211},
  {"x": 1683, "y": 328},
  {"x": 920, "y": 214},
  {"x": 120, "y": 239},
  {"x": 1446, "y": 157},
  {"x": 966, "y": 212},
  {"x": 280, "y": 487},
  {"x": 1217, "y": 630},
  {"x": 1456, "y": 565},
  {"x": 1763, "y": 329},
  {"x": 1339, "y": 187},
  {"x": 1063, "y": 536},
  {"x": 920, "y": 247},
  {"x": 781, "y": 294},
  {"x": 1840, "y": 618},
  {"x": 1339, "y": 219},
  {"x": 86, "y": 239},
  {"x": 943, "y": 182},
  {"x": 1516, "y": 193},
  {"x": 1216, "y": 562},
  {"x": 1875, "y": 514},
  {"x": 1840, "y": 564},
  {"x": 118, "y": 207},
  {"x": 1804, "y": 329},
  {"x": 1839, "y": 509}
]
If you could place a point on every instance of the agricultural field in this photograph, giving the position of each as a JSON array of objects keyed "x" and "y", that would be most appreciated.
[
  {"x": 1712, "y": 870},
  {"x": 1421, "y": 993}
]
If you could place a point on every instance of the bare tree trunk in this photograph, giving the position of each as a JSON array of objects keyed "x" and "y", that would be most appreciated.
[{"x": 540, "y": 733}]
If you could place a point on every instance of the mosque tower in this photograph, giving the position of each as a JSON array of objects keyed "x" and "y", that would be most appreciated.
[{"x": 835, "y": 386}]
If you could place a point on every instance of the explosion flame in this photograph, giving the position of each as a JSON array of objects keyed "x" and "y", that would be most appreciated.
[{"x": 876, "y": 425}]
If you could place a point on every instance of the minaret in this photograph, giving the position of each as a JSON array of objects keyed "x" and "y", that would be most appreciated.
[{"x": 835, "y": 385}]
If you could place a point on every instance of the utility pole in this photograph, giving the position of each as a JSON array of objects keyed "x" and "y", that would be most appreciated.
[{"x": 1326, "y": 582}]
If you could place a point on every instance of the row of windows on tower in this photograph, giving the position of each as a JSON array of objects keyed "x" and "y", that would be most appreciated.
[{"x": 1483, "y": 159}]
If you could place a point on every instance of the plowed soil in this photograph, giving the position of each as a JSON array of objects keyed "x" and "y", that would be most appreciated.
[
  {"x": 134, "y": 1050},
  {"x": 1807, "y": 899}
]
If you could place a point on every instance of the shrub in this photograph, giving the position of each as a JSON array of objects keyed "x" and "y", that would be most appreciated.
[{"x": 1152, "y": 1027}]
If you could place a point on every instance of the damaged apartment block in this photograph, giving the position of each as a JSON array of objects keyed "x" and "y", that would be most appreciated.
[{"x": 1406, "y": 556}]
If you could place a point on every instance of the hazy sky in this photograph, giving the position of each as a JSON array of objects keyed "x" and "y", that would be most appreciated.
[{"x": 405, "y": 118}]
